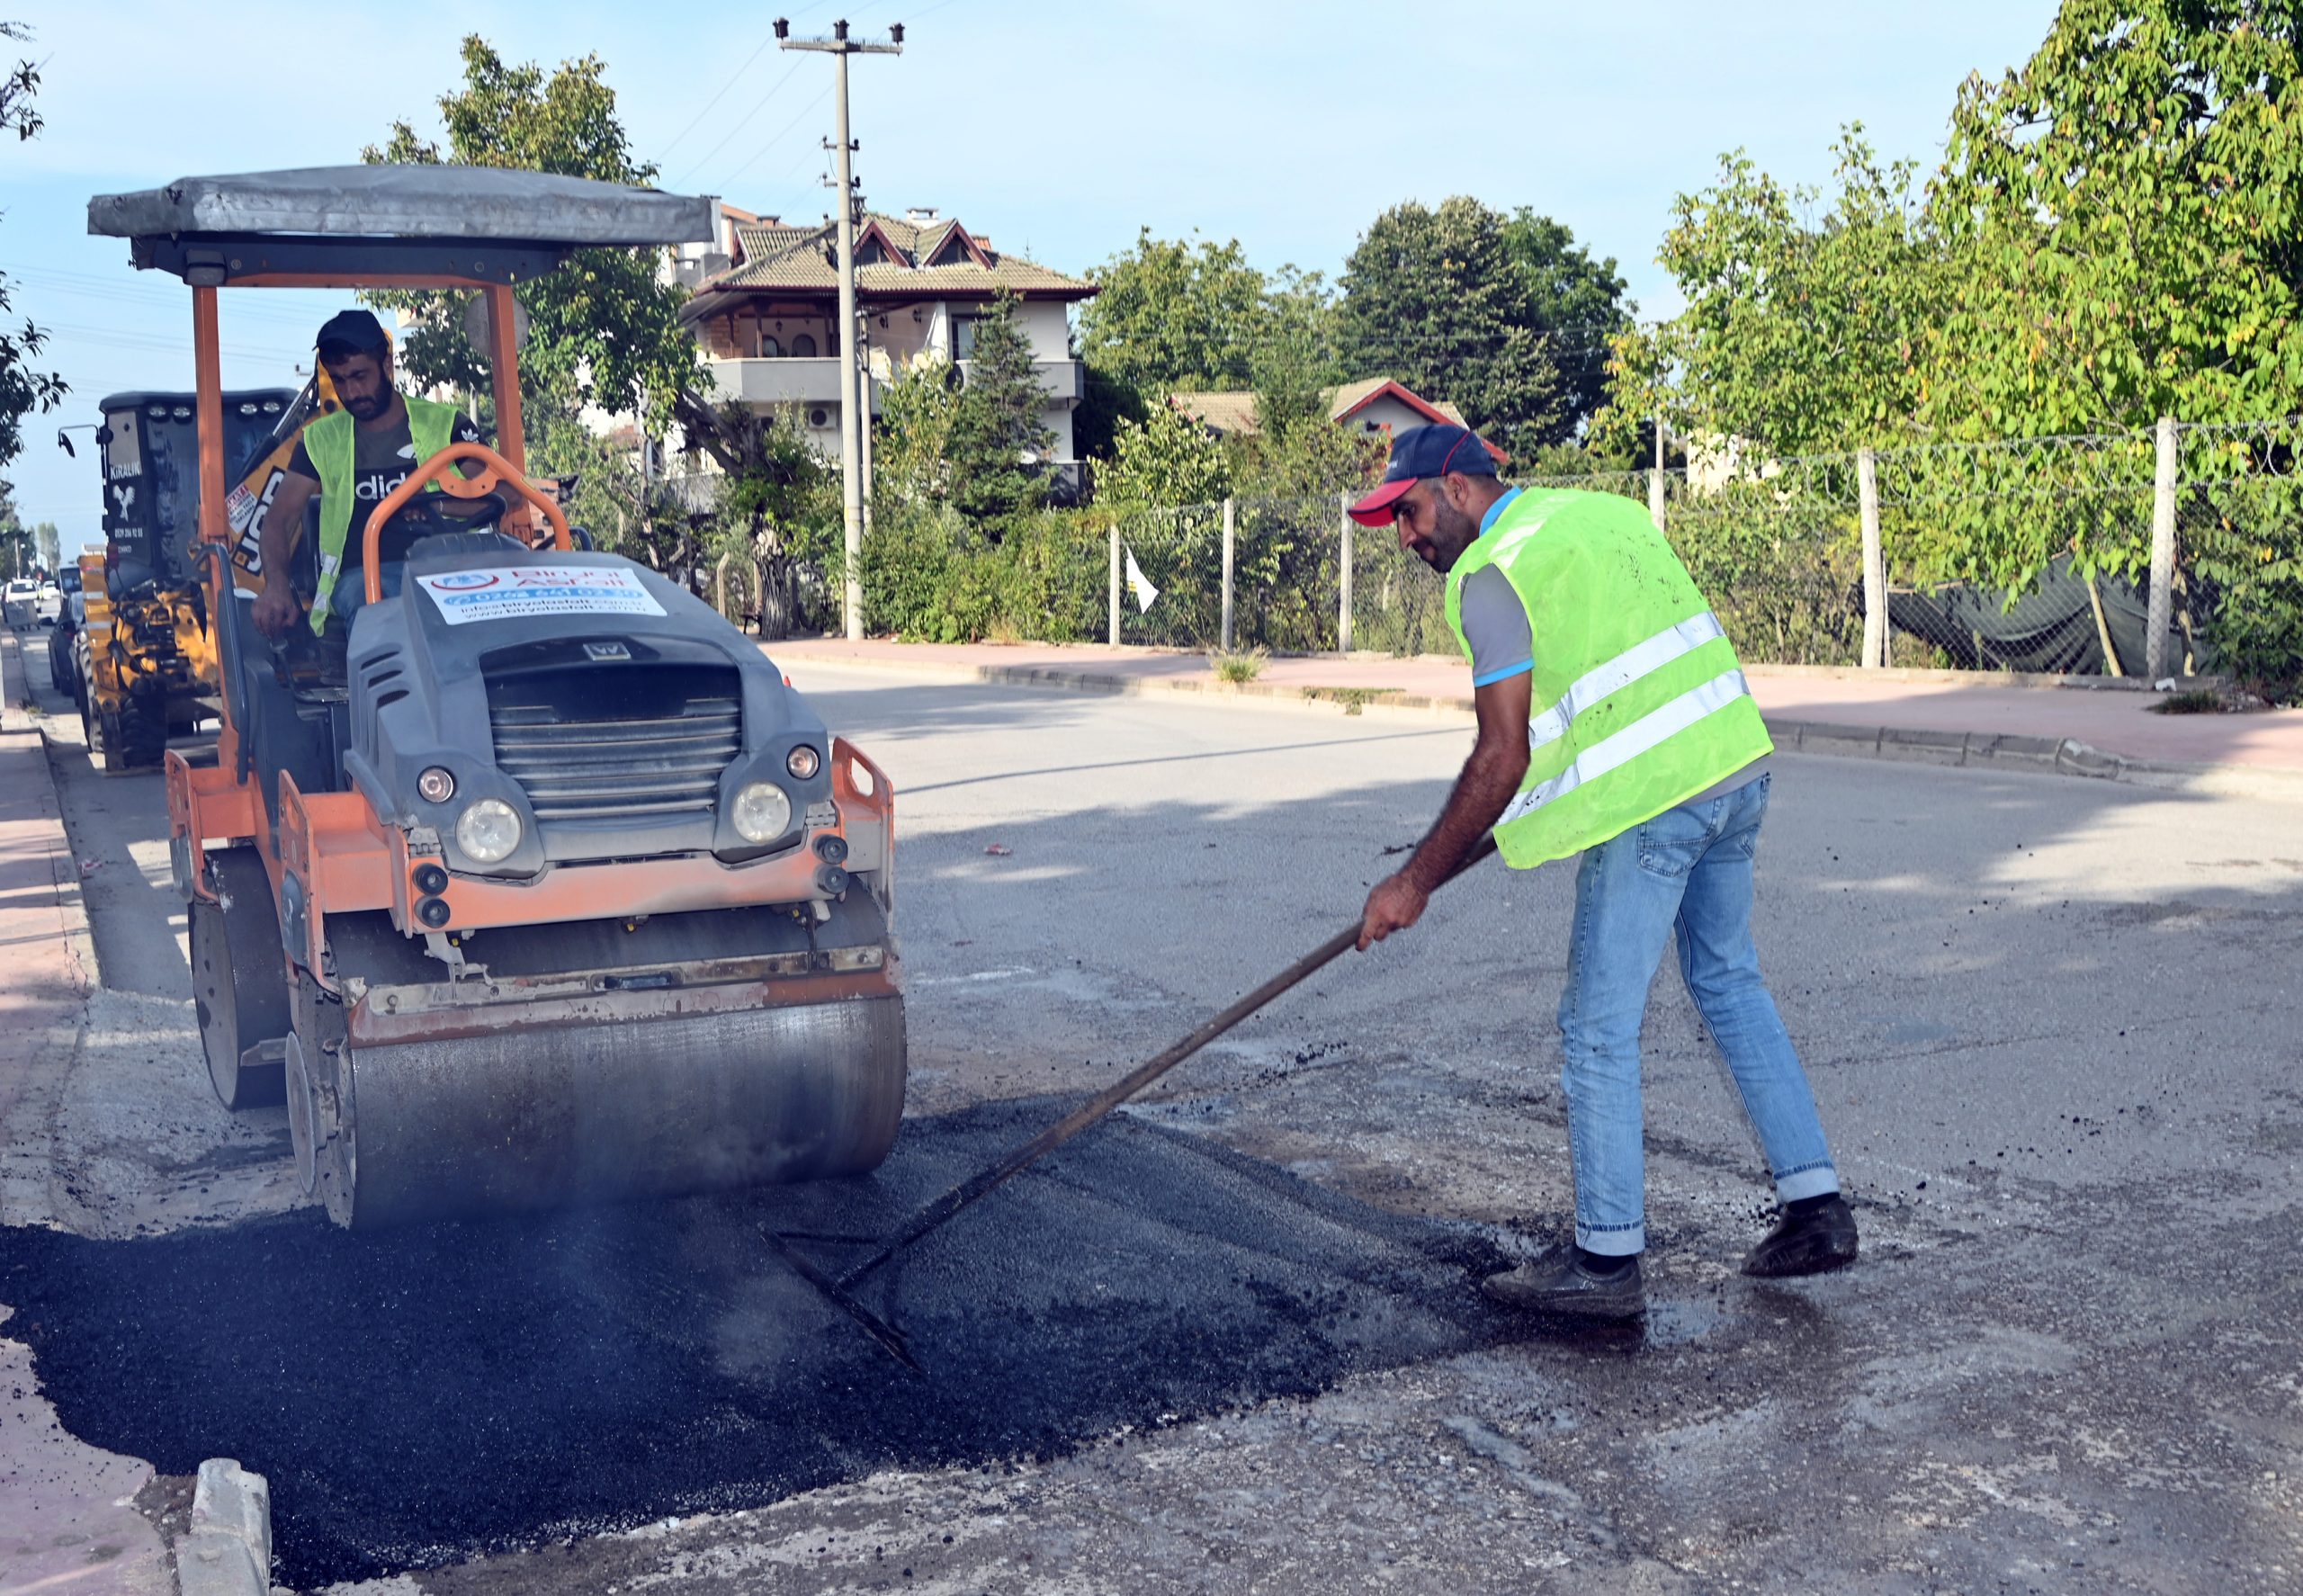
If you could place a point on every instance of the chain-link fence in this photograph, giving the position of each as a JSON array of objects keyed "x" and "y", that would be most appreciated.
[{"x": 1781, "y": 551}]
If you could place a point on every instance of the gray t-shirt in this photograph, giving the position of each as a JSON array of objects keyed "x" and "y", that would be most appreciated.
[{"x": 1495, "y": 625}]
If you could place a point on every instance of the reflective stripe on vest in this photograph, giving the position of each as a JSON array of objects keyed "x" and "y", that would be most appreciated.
[
  {"x": 1633, "y": 740},
  {"x": 1625, "y": 668}
]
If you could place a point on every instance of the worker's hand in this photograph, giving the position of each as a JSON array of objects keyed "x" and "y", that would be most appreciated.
[
  {"x": 276, "y": 610},
  {"x": 1395, "y": 905}
]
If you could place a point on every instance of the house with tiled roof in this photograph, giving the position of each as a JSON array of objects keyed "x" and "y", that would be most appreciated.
[
  {"x": 1375, "y": 407},
  {"x": 766, "y": 302}
]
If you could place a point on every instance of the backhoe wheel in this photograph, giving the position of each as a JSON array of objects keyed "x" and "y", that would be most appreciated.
[
  {"x": 240, "y": 981},
  {"x": 137, "y": 736}
]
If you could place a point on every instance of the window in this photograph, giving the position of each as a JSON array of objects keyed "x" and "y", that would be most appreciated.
[
  {"x": 769, "y": 347},
  {"x": 963, "y": 337},
  {"x": 803, "y": 346}
]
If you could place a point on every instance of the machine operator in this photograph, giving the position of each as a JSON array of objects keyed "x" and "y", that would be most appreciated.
[
  {"x": 351, "y": 459},
  {"x": 1614, "y": 722}
]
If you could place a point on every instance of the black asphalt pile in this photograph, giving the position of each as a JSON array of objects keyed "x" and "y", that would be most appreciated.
[{"x": 419, "y": 1398}]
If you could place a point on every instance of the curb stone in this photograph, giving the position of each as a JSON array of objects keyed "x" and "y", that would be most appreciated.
[
  {"x": 228, "y": 1550},
  {"x": 2066, "y": 757}
]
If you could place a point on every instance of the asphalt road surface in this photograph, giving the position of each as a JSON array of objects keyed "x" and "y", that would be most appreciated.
[{"x": 1229, "y": 1342}]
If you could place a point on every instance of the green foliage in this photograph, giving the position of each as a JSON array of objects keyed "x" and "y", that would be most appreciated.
[
  {"x": 1576, "y": 301},
  {"x": 1435, "y": 298},
  {"x": 1172, "y": 316},
  {"x": 930, "y": 577},
  {"x": 996, "y": 441},
  {"x": 17, "y": 111},
  {"x": 604, "y": 330},
  {"x": 911, "y": 437},
  {"x": 1240, "y": 667},
  {"x": 1165, "y": 458},
  {"x": 1803, "y": 332},
  {"x": 22, "y": 390},
  {"x": 2128, "y": 214}
]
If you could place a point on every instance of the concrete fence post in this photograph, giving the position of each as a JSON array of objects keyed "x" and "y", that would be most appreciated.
[
  {"x": 1114, "y": 593},
  {"x": 2162, "y": 553},
  {"x": 1655, "y": 496},
  {"x": 1875, "y": 562},
  {"x": 1230, "y": 528},
  {"x": 1343, "y": 584}
]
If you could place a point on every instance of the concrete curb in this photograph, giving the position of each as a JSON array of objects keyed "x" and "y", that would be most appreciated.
[
  {"x": 2066, "y": 757},
  {"x": 227, "y": 1549}
]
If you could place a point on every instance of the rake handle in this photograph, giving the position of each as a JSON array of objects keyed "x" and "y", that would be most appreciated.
[{"x": 985, "y": 1181}]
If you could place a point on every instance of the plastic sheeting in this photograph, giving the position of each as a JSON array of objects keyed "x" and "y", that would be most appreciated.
[{"x": 2052, "y": 628}]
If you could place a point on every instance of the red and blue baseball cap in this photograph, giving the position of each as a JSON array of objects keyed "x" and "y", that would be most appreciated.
[{"x": 1419, "y": 452}]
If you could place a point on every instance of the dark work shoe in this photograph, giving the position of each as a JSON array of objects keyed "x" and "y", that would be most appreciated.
[
  {"x": 1560, "y": 1282},
  {"x": 1809, "y": 1238}
]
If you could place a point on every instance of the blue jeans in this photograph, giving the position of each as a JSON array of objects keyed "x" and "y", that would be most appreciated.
[
  {"x": 349, "y": 593},
  {"x": 1687, "y": 871}
]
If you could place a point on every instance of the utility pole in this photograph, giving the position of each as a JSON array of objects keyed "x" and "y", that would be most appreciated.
[{"x": 840, "y": 47}]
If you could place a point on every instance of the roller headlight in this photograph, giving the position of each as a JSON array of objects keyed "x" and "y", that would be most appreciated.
[
  {"x": 487, "y": 830},
  {"x": 762, "y": 812},
  {"x": 435, "y": 785},
  {"x": 803, "y": 762}
]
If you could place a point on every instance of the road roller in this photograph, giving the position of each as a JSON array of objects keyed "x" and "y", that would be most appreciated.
[{"x": 548, "y": 889}]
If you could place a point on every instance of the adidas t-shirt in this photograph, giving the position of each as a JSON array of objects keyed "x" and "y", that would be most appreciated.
[{"x": 380, "y": 461}]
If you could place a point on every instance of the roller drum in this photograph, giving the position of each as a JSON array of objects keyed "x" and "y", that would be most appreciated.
[{"x": 550, "y": 1116}]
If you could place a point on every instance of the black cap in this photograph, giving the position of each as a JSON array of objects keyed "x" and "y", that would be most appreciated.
[{"x": 357, "y": 330}]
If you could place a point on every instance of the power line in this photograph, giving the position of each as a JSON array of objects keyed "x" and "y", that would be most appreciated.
[
  {"x": 733, "y": 78},
  {"x": 778, "y": 138},
  {"x": 757, "y": 106}
]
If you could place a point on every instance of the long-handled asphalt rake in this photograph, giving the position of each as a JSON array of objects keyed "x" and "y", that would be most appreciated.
[{"x": 840, "y": 1289}]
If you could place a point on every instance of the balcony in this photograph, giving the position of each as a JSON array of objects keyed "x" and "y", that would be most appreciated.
[
  {"x": 785, "y": 382},
  {"x": 1062, "y": 380},
  {"x": 812, "y": 382}
]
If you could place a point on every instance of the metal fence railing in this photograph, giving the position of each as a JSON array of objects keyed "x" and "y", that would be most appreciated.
[{"x": 2172, "y": 551}]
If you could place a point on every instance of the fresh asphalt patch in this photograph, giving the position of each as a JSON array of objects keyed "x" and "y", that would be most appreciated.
[{"x": 421, "y": 1396}]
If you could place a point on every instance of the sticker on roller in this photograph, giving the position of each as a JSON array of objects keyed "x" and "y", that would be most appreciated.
[{"x": 519, "y": 592}]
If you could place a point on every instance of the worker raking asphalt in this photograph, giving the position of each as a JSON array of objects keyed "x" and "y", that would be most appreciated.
[{"x": 420, "y": 1396}]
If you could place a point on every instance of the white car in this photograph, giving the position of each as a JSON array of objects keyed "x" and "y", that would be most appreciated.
[
  {"x": 19, "y": 600},
  {"x": 48, "y": 604}
]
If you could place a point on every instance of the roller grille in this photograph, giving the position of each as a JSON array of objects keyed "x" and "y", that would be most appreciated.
[{"x": 609, "y": 744}]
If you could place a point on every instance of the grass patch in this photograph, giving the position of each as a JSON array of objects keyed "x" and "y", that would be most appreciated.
[
  {"x": 1353, "y": 699},
  {"x": 2207, "y": 701},
  {"x": 1239, "y": 666}
]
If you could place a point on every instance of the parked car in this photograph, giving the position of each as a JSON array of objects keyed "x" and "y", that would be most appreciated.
[
  {"x": 64, "y": 647},
  {"x": 48, "y": 604},
  {"x": 17, "y": 601}
]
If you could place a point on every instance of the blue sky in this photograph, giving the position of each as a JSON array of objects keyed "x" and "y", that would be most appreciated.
[{"x": 1057, "y": 129}]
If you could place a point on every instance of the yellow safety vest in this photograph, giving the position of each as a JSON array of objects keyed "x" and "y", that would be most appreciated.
[
  {"x": 1639, "y": 702},
  {"x": 330, "y": 443}
]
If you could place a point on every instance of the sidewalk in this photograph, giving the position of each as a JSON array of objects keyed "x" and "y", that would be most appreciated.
[
  {"x": 1933, "y": 716},
  {"x": 67, "y": 1519}
]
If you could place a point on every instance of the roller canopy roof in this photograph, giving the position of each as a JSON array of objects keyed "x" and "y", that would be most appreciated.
[
  {"x": 470, "y": 222},
  {"x": 413, "y": 201}
]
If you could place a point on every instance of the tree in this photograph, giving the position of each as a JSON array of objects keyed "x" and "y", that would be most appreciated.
[
  {"x": 1576, "y": 302},
  {"x": 22, "y": 390},
  {"x": 1174, "y": 315},
  {"x": 1803, "y": 333},
  {"x": 1165, "y": 460},
  {"x": 604, "y": 330},
  {"x": 1433, "y": 298},
  {"x": 996, "y": 442},
  {"x": 2129, "y": 213}
]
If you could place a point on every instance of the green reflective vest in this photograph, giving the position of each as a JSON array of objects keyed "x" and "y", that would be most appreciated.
[
  {"x": 329, "y": 442},
  {"x": 1638, "y": 701}
]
